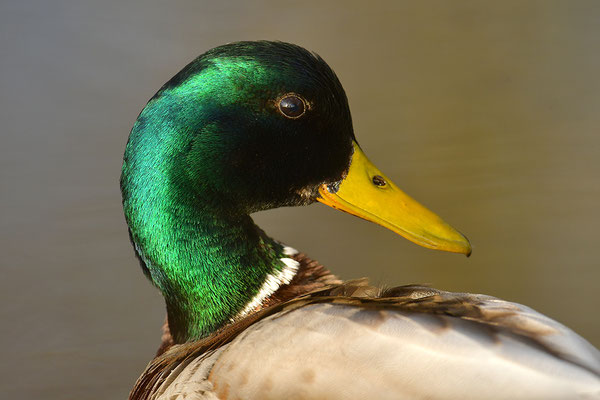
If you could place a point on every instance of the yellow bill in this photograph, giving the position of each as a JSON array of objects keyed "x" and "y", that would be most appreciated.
[{"x": 369, "y": 194}]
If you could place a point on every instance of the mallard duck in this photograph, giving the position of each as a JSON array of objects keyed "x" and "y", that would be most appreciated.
[{"x": 251, "y": 126}]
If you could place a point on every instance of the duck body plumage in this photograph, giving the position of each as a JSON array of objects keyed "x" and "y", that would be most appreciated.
[
  {"x": 256, "y": 125},
  {"x": 353, "y": 340},
  {"x": 356, "y": 341}
]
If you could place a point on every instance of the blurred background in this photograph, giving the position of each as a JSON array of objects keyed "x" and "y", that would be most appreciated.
[{"x": 486, "y": 112}]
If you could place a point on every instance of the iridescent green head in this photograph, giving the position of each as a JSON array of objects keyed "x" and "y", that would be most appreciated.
[
  {"x": 245, "y": 127},
  {"x": 228, "y": 132}
]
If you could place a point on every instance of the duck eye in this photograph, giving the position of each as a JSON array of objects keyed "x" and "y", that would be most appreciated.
[{"x": 292, "y": 106}]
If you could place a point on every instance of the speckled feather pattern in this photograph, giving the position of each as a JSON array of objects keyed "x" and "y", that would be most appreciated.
[{"x": 420, "y": 344}]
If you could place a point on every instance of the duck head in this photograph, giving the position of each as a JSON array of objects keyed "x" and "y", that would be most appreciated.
[
  {"x": 250, "y": 126},
  {"x": 254, "y": 125},
  {"x": 246, "y": 127}
]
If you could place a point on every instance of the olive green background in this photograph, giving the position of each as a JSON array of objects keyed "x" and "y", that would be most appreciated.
[{"x": 487, "y": 112}]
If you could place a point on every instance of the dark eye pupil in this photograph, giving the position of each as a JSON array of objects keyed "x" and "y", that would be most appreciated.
[{"x": 291, "y": 106}]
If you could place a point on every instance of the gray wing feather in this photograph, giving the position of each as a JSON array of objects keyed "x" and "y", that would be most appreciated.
[{"x": 410, "y": 342}]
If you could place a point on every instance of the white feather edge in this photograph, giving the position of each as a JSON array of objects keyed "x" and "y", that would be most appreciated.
[{"x": 273, "y": 282}]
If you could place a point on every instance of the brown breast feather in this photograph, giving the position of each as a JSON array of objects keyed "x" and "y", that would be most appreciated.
[{"x": 315, "y": 284}]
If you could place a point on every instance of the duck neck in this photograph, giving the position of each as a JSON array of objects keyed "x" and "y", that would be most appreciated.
[{"x": 211, "y": 266}]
